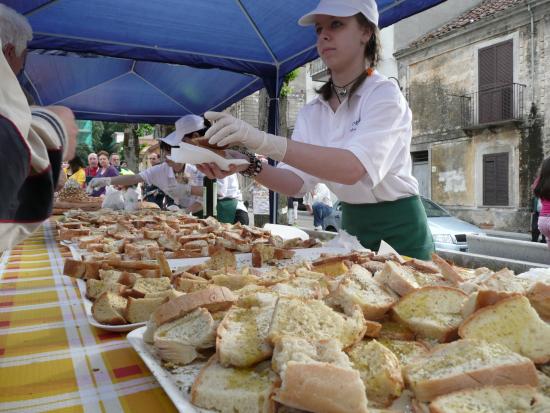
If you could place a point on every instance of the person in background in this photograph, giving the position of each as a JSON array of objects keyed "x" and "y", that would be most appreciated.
[
  {"x": 542, "y": 190},
  {"x": 92, "y": 168},
  {"x": 229, "y": 208},
  {"x": 35, "y": 140},
  {"x": 75, "y": 171},
  {"x": 355, "y": 137},
  {"x": 105, "y": 171},
  {"x": 124, "y": 165},
  {"x": 169, "y": 176},
  {"x": 151, "y": 193},
  {"x": 114, "y": 160},
  {"x": 319, "y": 204}
]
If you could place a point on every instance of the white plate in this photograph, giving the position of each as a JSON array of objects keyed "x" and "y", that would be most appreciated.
[
  {"x": 88, "y": 309},
  {"x": 176, "y": 383},
  {"x": 286, "y": 232},
  {"x": 245, "y": 260},
  {"x": 194, "y": 155}
]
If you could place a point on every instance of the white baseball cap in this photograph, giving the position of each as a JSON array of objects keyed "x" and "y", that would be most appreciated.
[
  {"x": 184, "y": 125},
  {"x": 342, "y": 8}
]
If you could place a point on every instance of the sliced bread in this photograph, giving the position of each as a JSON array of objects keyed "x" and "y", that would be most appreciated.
[
  {"x": 230, "y": 390},
  {"x": 405, "y": 279},
  {"x": 514, "y": 323},
  {"x": 359, "y": 288},
  {"x": 179, "y": 341},
  {"x": 317, "y": 377},
  {"x": 380, "y": 371},
  {"x": 307, "y": 288},
  {"x": 108, "y": 308},
  {"x": 492, "y": 399},
  {"x": 242, "y": 336},
  {"x": 212, "y": 298},
  {"x": 151, "y": 285},
  {"x": 406, "y": 352},
  {"x": 95, "y": 287},
  {"x": 313, "y": 320},
  {"x": 138, "y": 310},
  {"x": 432, "y": 312},
  {"x": 539, "y": 296},
  {"x": 467, "y": 364}
]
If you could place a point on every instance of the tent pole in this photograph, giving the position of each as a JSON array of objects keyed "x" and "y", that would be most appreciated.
[{"x": 273, "y": 128}]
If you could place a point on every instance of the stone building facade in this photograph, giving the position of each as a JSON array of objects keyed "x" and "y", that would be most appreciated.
[{"x": 481, "y": 115}]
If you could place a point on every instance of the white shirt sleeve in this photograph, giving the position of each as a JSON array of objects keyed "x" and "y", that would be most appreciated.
[
  {"x": 154, "y": 175},
  {"x": 383, "y": 132},
  {"x": 309, "y": 180}
]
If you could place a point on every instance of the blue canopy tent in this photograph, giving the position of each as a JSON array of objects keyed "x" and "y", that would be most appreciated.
[{"x": 156, "y": 60}]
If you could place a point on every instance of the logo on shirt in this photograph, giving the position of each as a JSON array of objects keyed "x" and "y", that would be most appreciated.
[{"x": 354, "y": 124}]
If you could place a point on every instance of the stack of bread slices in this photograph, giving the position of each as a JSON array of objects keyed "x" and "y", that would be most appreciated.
[{"x": 358, "y": 333}]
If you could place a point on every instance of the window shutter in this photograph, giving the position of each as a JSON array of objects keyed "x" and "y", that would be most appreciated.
[
  {"x": 496, "y": 77},
  {"x": 495, "y": 179}
]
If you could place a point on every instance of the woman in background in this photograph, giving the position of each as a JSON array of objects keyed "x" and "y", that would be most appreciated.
[
  {"x": 542, "y": 190},
  {"x": 105, "y": 171},
  {"x": 76, "y": 172}
]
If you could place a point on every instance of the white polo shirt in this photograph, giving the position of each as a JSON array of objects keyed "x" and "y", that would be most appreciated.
[
  {"x": 164, "y": 178},
  {"x": 376, "y": 127}
]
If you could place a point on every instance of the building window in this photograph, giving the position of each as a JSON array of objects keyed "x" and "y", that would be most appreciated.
[
  {"x": 496, "y": 82},
  {"x": 495, "y": 179}
]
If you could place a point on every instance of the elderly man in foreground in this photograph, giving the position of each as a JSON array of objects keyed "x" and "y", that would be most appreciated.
[{"x": 34, "y": 140}]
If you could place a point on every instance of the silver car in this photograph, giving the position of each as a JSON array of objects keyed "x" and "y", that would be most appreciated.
[{"x": 448, "y": 232}]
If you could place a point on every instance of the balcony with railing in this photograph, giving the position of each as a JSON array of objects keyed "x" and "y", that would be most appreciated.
[
  {"x": 319, "y": 71},
  {"x": 492, "y": 106}
]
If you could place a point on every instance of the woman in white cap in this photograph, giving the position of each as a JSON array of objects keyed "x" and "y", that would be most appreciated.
[
  {"x": 355, "y": 137},
  {"x": 174, "y": 179}
]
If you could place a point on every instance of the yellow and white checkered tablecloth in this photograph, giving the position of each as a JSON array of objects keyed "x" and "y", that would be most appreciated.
[{"x": 51, "y": 359}]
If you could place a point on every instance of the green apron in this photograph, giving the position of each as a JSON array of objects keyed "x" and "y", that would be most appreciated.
[
  {"x": 402, "y": 224},
  {"x": 225, "y": 208}
]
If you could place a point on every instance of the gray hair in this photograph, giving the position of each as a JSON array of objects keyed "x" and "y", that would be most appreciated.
[{"x": 14, "y": 29}]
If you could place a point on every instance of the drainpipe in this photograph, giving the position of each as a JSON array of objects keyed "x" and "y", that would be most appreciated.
[{"x": 530, "y": 10}]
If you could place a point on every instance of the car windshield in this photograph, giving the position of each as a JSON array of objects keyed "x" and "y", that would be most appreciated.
[{"x": 433, "y": 210}]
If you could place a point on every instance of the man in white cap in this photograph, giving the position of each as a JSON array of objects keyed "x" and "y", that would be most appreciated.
[{"x": 171, "y": 177}]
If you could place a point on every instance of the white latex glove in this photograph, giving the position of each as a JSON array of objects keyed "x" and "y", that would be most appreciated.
[
  {"x": 179, "y": 192},
  {"x": 97, "y": 183},
  {"x": 227, "y": 130},
  {"x": 173, "y": 208}
]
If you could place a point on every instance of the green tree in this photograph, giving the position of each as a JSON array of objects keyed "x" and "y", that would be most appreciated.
[{"x": 103, "y": 138}]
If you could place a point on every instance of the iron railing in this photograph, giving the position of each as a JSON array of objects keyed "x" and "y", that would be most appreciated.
[
  {"x": 493, "y": 105},
  {"x": 319, "y": 71}
]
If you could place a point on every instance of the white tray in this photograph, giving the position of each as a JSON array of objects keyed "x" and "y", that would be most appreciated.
[
  {"x": 245, "y": 260},
  {"x": 192, "y": 154},
  {"x": 88, "y": 309},
  {"x": 176, "y": 383}
]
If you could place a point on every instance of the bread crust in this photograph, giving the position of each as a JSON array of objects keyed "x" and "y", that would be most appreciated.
[
  {"x": 436, "y": 406},
  {"x": 322, "y": 387},
  {"x": 447, "y": 269},
  {"x": 212, "y": 298}
]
